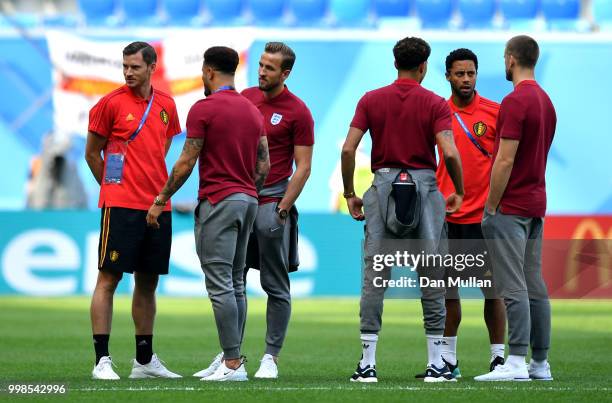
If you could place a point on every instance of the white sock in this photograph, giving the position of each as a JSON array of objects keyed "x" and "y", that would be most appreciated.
[
  {"x": 516, "y": 360},
  {"x": 449, "y": 349},
  {"x": 434, "y": 350},
  {"x": 497, "y": 350},
  {"x": 368, "y": 344}
]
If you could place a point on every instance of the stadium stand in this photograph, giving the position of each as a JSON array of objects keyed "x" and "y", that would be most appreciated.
[
  {"x": 307, "y": 12},
  {"x": 142, "y": 13},
  {"x": 521, "y": 15},
  {"x": 435, "y": 14},
  {"x": 267, "y": 12},
  {"x": 350, "y": 12},
  {"x": 183, "y": 12},
  {"x": 477, "y": 14},
  {"x": 392, "y": 8},
  {"x": 99, "y": 12},
  {"x": 563, "y": 15},
  {"x": 225, "y": 12}
]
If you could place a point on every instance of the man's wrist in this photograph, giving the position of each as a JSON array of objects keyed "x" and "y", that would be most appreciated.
[
  {"x": 160, "y": 201},
  {"x": 349, "y": 195}
]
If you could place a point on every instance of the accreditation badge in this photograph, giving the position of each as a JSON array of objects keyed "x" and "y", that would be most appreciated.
[{"x": 115, "y": 160}]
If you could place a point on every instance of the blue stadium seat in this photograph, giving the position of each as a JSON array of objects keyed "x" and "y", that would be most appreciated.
[
  {"x": 308, "y": 12},
  {"x": 225, "y": 12},
  {"x": 267, "y": 12},
  {"x": 99, "y": 12},
  {"x": 477, "y": 14},
  {"x": 602, "y": 14},
  {"x": 434, "y": 13},
  {"x": 392, "y": 8},
  {"x": 183, "y": 12},
  {"x": 520, "y": 14},
  {"x": 141, "y": 12},
  {"x": 563, "y": 15},
  {"x": 350, "y": 12}
]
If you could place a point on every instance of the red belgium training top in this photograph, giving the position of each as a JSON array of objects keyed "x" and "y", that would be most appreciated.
[{"x": 116, "y": 116}]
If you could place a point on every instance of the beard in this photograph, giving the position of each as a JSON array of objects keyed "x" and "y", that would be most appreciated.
[
  {"x": 508, "y": 74},
  {"x": 207, "y": 91}
]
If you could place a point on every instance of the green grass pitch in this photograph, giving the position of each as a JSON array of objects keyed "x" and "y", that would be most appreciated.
[{"x": 49, "y": 341}]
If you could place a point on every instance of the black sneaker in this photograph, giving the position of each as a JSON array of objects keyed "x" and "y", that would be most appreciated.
[
  {"x": 434, "y": 374},
  {"x": 496, "y": 361},
  {"x": 366, "y": 374},
  {"x": 454, "y": 369}
]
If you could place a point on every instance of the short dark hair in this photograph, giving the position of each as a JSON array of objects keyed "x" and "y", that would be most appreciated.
[
  {"x": 410, "y": 53},
  {"x": 148, "y": 53},
  {"x": 460, "y": 54},
  {"x": 222, "y": 58},
  {"x": 285, "y": 51},
  {"x": 524, "y": 49}
]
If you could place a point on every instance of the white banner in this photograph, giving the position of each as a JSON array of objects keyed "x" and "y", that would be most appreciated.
[{"x": 87, "y": 69}]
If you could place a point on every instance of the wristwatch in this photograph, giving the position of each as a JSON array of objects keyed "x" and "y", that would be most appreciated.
[
  {"x": 158, "y": 202},
  {"x": 282, "y": 213},
  {"x": 348, "y": 195}
]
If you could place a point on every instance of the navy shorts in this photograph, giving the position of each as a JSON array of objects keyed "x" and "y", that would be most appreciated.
[{"x": 128, "y": 245}]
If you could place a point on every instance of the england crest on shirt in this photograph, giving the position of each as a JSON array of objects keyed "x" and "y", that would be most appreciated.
[{"x": 276, "y": 118}]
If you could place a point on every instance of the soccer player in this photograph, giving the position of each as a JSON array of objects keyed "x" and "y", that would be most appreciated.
[
  {"x": 474, "y": 128},
  {"x": 226, "y": 133},
  {"x": 405, "y": 122},
  {"x": 513, "y": 219},
  {"x": 290, "y": 132},
  {"x": 134, "y": 126}
]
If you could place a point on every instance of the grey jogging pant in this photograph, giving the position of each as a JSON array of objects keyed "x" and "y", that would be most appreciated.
[
  {"x": 222, "y": 233},
  {"x": 515, "y": 244}
]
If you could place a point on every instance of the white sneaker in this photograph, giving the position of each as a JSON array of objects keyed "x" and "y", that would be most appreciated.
[
  {"x": 223, "y": 374},
  {"x": 154, "y": 369},
  {"x": 506, "y": 372},
  {"x": 539, "y": 372},
  {"x": 268, "y": 368},
  {"x": 104, "y": 370},
  {"x": 211, "y": 368}
]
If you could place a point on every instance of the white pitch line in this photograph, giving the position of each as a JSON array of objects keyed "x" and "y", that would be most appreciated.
[{"x": 330, "y": 388}]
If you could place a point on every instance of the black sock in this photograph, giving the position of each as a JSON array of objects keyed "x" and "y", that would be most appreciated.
[
  {"x": 101, "y": 346},
  {"x": 144, "y": 348}
]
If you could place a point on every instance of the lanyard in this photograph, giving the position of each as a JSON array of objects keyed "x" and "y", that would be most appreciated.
[
  {"x": 471, "y": 137},
  {"x": 144, "y": 118},
  {"x": 225, "y": 87}
]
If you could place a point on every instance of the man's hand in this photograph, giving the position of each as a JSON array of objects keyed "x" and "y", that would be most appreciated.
[
  {"x": 490, "y": 209},
  {"x": 453, "y": 202},
  {"x": 152, "y": 215},
  {"x": 355, "y": 207}
]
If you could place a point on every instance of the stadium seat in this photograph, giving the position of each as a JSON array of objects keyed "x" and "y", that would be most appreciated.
[
  {"x": 308, "y": 12},
  {"x": 225, "y": 12},
  {"x": 99, "y": 12},
  {"x": 183, "y": 12},
  {"x": 141, "y": 12},
  {"x": 521, "y": 15},
  {"x": 434, "y": 13},
  {"x": 266, "y": 12},
  {"x": 350, "y": 12},
  {"x": 392, "y": 8},
  {"x": 477, "y": 14},
  {"x": 563, "y": 15},
  {"x": 602, "y": 14}
]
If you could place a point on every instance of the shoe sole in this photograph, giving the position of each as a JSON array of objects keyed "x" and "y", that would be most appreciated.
[
  {"x": 105, "y": 379},
  {"x": 431, "y": 379},
  {"x": 265, "y": 377},
  {"x": 504, "y": 380},
  {"x": 542, "y": 379},
  {"x": 147, "y": 376},
  {"x": 365, "y": 380}
]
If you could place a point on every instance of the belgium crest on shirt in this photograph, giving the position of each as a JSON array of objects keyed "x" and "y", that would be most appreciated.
[
  {"x": 164, "y": 116},
  {"x": 276, "y": 118},
  {"x": 480, "y": 128}
]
